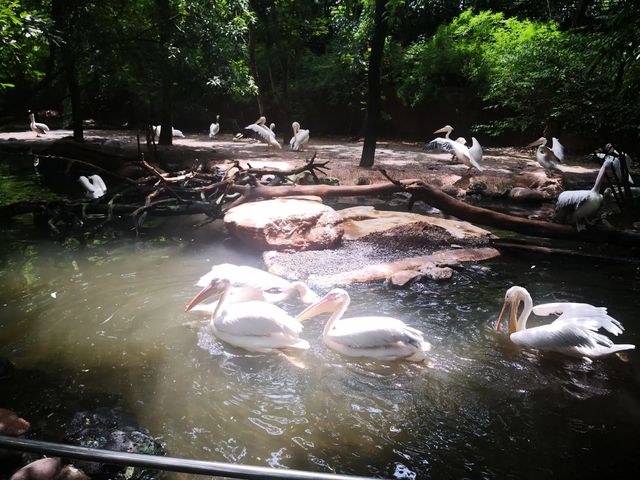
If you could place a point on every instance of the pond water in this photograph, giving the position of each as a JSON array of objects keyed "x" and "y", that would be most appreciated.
[{"x": 101, "y": 323}]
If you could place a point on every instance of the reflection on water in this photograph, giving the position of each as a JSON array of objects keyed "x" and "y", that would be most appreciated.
[{"x": 102, "y": 323}]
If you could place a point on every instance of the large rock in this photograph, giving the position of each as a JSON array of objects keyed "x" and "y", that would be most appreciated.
[
  {"x": 285, "y": 224},
  {"x": 385, "y": 245}
]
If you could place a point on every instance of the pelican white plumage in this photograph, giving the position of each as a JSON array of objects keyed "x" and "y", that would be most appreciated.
[
  {"x": 259, "y": 131},
  {"x": 578, "y": 206},
  {"x": 93, "y": 185},
  {"x": 255, "y": 326},
  {"x": 214, "y": 128},
  {"x": 39, "y": 128},
  {"x": 616, "y": 158},
  {"x": 249, "y": 283},
  {"x": 574, "y": 332},
  {"x": 469, "y": 156},
  {"x": 386, "y": 338},
  {"x": 300, "y": 137},
  {"x": 548, "y": 158},
  {"x": 174, "y": 131}
]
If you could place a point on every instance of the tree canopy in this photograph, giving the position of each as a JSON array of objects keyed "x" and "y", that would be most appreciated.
[{"x": 509, "y": 69}]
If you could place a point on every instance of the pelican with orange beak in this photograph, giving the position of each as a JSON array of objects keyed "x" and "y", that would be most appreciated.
[
  {"x": 255, "y": 326},
  {"x": 386, "y": 338},
  {"x": 574, "y": 332},
  {"x": 469, "y": 156}
]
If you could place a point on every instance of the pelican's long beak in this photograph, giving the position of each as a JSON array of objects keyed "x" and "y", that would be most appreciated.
[
  {"x": 443, "y": 130},
  {"x": 208, "y": 291},
  {"x": 321, "y": 306},
  {"x": 513, "y": 308},
  {"x": 535, "y": 143}
]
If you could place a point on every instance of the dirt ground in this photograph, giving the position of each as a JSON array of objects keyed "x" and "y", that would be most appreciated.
[{"x": 504, "y": 167}]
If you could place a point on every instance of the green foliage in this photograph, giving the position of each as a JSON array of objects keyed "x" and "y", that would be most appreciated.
[
  {"x": 22, "y": 41},
  {"x": 530, "y": 73}
]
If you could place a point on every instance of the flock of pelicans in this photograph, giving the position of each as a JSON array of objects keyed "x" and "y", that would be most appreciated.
[
  {"x": 243, "y": 314},
  {"x": 577, "y": 207}
]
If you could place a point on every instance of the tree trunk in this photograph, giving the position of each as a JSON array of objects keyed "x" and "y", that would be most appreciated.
[
  {"x": 62, "y": 14},
  {"x": 254, "y": 68},
  {"x": 166, "y": 120},
  {"x": 373, "y": 98}
]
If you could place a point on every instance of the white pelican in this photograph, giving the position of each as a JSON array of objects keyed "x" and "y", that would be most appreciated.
[
  {"x": 300, "y": 137},
  {"x": 386, "y": 338},
  {"x": 94, "y": 185},
  {"x": 39, "y": 128},
  {"x": 255, "y": 326},
  {"x": 471, "y": 157},
  {"x": 547, "y": 157},
  {"x": 251, "y": 283},
  {"x": 174, "y": 131},
  {"x": 574, "y": 332},
  {"x": 259, "y": 131},
  {"x": 575, "y": 206},
  {"x": 214, "y": 128},
  {"x": 615, "y": 167}
]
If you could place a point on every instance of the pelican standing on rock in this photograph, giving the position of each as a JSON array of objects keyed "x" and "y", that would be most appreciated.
[
  {"x": 386, "y": 338},
  {"x": 577, "y": 206},
  {"x": 254, "y": 326},
  {"x": 471, "y": 157},
  {"x": 574, "y": 332},
  {"x": 39, "y": 128},
  {"x": 93, "y": 185},
  {"x": 300, "y": 137},
  {"x": 548, "y": 158},
  {"x": 214, "y": 128},
  {"x": 249, "y": 283}
]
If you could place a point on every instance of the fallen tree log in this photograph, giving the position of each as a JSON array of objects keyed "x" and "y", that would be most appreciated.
[{"x": 447, "y": 204}]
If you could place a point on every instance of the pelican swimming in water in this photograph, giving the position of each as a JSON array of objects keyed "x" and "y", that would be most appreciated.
[
  {"x": 93, "y": 185},
  {"x": 39, "y": 128},
  {"x": 300, "y": 137},
  {"x": 548, "y": 158},
  {"x": 386, "y": 338},
  {"x": 259, "y": 131},
  {"x": 469, "y": 156},
  {"x": 578, "y": 206},
  {"x": 214, "y": 128},
  {"x": 574, "y": 332},
  {"x": 255, "y": 326},
  {"x": 249, "y": 283}
]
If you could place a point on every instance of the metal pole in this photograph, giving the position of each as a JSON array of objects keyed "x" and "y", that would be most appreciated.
[{"x": 183, "y": 465}]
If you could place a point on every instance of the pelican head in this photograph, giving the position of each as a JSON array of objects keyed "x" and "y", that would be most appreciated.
[
  {"x": 540, "y": 141},
  {"x": 295, "y": 126},
  {"x": 261, "y": 121},
  {"x": 216, "y": 288},
  {"x": 272, "y": 127},
  {"x": 512, "y": 299},
  {"x": 326, "y": 304},
  {"x": 445, "y": 129}
]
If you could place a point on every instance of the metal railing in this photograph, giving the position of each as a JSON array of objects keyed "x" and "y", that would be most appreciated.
[{"x": 182, "y": 465}]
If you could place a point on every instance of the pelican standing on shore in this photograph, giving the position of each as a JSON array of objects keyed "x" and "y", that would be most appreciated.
[
  {"x": 255, "y": 326},
  {"x": 39, "y": 128},
  {"x": 574, "y": 332},
  {"x": 259, "y": 131},
  {"x": 385, "y": 338},
  {"x": 578, "y": 206},
  {"x": 469, "y": 156},
  {"x": 214, "y": 128},
  {"x": 548, "y": 158},
  {"x": 300, "y": 137}
]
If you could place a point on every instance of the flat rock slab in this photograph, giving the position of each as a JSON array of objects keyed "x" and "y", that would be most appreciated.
[
  {"x": 285, "y": 224},
  {"x": 406, "y": 247}
]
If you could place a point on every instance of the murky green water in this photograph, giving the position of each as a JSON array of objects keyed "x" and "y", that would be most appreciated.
[{"x": 102, "y": 324}]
